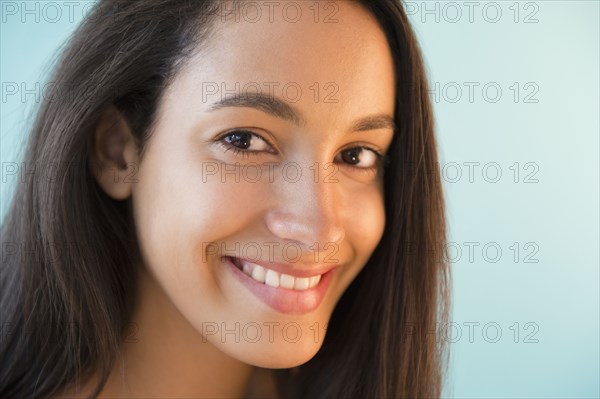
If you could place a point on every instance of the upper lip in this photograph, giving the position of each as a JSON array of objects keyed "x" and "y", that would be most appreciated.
[{"x": 289, "y": 269}]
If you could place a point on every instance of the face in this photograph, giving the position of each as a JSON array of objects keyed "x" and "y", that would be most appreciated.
[{"x": 260, "y": 195}]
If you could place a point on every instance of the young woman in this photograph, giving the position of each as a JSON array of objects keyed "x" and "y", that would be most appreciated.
[{"x": 230, "y": 199}]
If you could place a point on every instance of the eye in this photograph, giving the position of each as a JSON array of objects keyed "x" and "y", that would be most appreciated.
[
  {"x": 362, "y": 157},
  {"x": 244, "y": 142}
]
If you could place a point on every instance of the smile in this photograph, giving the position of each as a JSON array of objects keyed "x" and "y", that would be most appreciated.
[
  {"x": 295, "y": 292},
  {"x": 275, "y": 279}
]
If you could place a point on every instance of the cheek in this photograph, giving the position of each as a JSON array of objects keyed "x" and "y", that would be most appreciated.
[
  {"x": 180, "y": 208},
  {"x": 363, "y": 213},
  {"x": 364, "y": 219}
]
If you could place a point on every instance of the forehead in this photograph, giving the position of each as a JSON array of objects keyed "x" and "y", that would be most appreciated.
[{"x": 334, "y": 49}]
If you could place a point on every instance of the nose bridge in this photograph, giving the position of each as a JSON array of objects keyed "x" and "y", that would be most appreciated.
[{"x": 307, "y": 210}]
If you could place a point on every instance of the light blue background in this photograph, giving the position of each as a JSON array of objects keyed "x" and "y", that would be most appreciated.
[{"x": 557, "y": 216}]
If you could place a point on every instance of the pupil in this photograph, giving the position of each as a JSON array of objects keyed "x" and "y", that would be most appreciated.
[
  {"x": 241, "y": 140},
  {"x": 351, "y": 156}
]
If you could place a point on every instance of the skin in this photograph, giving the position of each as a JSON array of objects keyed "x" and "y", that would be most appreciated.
[{"x": 179, "y": 208}]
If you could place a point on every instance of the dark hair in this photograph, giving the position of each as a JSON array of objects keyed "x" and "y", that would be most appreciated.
[{"x": 67, "y": 277}]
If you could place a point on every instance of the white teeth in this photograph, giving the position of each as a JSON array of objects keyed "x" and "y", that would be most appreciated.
[
  {"x": 314, "y": 280},
  {"x": 274, "y": 279},
  {"x": 286, "y": 281},
  {"x": 258, "y": 273},
  {"x": 301, "y": 283}
]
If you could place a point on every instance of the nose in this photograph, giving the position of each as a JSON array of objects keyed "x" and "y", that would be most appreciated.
[{"x": 307, "y": 212}]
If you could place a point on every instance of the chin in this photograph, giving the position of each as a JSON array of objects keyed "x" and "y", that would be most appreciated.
[
  {"x": 283, "y": 361},
  {"x": 275, "y": 355}
]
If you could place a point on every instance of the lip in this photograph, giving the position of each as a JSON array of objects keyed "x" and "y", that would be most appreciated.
[{"x": 284, "y": 300}]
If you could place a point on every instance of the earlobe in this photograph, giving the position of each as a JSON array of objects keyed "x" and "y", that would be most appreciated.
[{"x": 114, "y": 157}]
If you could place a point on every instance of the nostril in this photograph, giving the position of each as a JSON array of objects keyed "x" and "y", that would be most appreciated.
[{"x": 305, "y": 230}]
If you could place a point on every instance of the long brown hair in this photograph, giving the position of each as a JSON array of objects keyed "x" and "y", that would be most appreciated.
[{"x": 67, "y": 279}]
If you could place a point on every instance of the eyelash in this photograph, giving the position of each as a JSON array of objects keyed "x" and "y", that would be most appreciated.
[
  {"x": 381, "y": 159},
  {"x": 237, "y": 151}
]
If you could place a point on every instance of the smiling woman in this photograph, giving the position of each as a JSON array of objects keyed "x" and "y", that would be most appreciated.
[{"x": 242, "y": 209}]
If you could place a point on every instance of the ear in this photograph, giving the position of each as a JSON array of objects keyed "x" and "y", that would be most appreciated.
[{"x": 115, "y": 155}]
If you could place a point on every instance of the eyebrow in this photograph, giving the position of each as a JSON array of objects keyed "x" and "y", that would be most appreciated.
[{"x": 280, "y": 109}]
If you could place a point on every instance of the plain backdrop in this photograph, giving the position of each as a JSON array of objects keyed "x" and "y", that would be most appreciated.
[{"x": 515, "y": 87}]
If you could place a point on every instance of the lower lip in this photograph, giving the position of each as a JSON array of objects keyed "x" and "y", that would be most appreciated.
[{"x": 284, "y": 300}]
